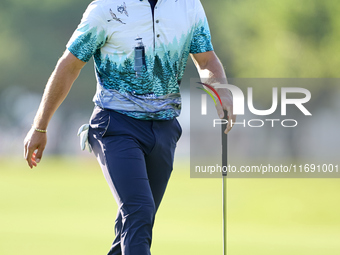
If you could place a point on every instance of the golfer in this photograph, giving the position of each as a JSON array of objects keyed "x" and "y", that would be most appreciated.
[{"x": 140, "y": 49}]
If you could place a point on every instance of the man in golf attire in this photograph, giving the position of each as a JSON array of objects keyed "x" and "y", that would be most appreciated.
[{"x": 140, "y": 50}]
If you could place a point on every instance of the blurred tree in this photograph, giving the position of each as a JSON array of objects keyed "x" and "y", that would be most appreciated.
[
  {"x": 33, "y": 35},
  {"x": 266, "y": 38},
  {"x": 260, "y": 38}
]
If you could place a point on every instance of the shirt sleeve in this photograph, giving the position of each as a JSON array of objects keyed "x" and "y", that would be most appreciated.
[
  {"x": 201, "y": 40},
  {"x": 90, "y": 34}
]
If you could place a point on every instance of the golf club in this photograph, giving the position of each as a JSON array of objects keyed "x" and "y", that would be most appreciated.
[{"x": 224, "y": 183}]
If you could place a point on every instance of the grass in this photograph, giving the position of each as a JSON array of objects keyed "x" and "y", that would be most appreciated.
[{"x": 65, "y": 207}]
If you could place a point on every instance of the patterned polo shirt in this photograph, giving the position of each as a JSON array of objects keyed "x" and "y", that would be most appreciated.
[{"x": 140, "y": 60}]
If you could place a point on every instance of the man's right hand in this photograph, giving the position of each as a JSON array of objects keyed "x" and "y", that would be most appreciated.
[
  {"x": 57, "y": 88},
  {"x": 34, "y": 145}
]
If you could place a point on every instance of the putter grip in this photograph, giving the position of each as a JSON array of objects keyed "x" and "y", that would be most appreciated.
[{"x": 224, "y": 146}]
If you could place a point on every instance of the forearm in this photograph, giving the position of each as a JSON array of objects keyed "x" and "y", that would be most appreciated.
[
  {"x": 211, "y": 71},
  {"x": 57, "y": 88}
]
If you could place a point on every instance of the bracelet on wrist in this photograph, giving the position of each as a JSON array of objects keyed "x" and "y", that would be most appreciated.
[{"x": 40, "y": 130}]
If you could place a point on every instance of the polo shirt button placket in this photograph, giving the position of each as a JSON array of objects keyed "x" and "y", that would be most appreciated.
[{"x": 156, "y": 21}]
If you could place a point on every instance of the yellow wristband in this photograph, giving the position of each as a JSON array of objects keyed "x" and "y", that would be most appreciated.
[{"x": 40, "y": 130}]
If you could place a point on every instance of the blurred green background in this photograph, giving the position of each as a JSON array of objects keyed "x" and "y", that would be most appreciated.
[{"x": 65, "y": 207}]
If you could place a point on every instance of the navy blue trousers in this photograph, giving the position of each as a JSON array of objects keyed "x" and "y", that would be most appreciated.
[{"x": 136, "y": 157}]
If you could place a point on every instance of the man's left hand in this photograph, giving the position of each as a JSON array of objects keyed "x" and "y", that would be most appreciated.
[{"x": 227, "y": 101}]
